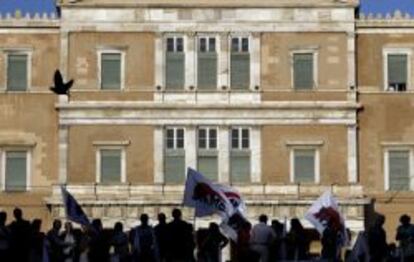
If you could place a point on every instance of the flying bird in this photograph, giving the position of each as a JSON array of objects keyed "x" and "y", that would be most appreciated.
[{"x": 60, "y": 88}]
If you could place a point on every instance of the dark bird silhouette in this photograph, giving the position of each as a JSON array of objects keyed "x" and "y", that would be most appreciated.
[{"x": 60, "y": 88}]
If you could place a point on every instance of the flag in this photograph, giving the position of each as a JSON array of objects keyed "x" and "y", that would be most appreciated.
[
  {"x": 73, "y": 210},
  {"x": 231, "y": 226},
  {"x": 205, "y": 197},
  {"x": 325, "y": 209},
  {"x": 234, "y": 197}
]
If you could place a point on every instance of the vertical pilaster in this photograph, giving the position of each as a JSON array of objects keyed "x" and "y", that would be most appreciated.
[
  {"x": 256, "y": 154},
  {"x": 190, "y": 147},
  {"x": 158, "y": 155},
  {"x": 64, "y": 53},
  {"x": 352, "y": 154},
  {"x": 159, "y": 60},
  {"x": 223, "y": 61},
  {"x": 224, "y": 154},
  {"x": 63, "y": 153},
  {"x": 255, "y": 60},
  {"x": 190, "y": 63},
  {"x": 351, "y": 65}
]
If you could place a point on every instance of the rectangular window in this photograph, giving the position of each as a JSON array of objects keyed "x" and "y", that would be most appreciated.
[
  {"x": 207, "y": 162},
  {"x": 399, "y": 170},
  {"x": 17, "y": 72},
  {"x": 397, "y": 72},
  {"x": 111, "y": 64},
  {"x": 16, "y": 172},
  {"x": 207, "y": 63},
  {"x": 175, "y": 63},
  {"x": 303, "y": 71},
  {"x": 304, "y": 165},
  {"x": 240, "y": 155},
  {"x": 240, "y": 63},
  {"x": 174, "y": 165},
  {"x": 111, "y": 165}
]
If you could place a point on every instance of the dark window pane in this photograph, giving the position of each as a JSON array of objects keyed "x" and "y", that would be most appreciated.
[
  {"x": 180, "y": 138},
  {"x": 110, "y": 166},
  {"x": 170, "y": 138},
  {"x": 17, "y": 72},
  {"x": 234, "y": 138},
  {"x": 202, "y": 138},
  {"x": 180, "y": 44},
  {"x": 213, "y": 138},
  {"x": 111, "y": 71},
  {"x": 245, "y": 138},
  {"x": 16, "y": 170},
  {"x": 170, "y": 44},
  {"x": 203, "y": 45},
  {"x": 212, "y": 44},
  {"x": 235, "y": 45},
  {"x": 245, "y": 44}
]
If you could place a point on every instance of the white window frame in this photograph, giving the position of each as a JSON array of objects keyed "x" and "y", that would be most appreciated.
[
  {"x": 208, "y": 128},
  {"x": 175, "y": 128},
  {"x": 100, "y": 52},
  {"x": 230, "y": 51},
  {"x": 3, "y": 152},
  {"x": 317, "y": 178},
  {"x": 164, "y": 57},
  {"x": 18, "y": 51},
  {"x": 315, "y": 53},
  {"x": 396, "y": 51},
  {"x": 410, "y": 150},
  {"x": 217, "y": 52},
  {"x": 240, "y": 138},
  {"x": 98, "y": 162}
]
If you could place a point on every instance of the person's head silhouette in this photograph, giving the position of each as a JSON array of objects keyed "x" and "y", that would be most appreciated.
[
  {"x": 57, "y": 224},
  {"x": 144, "y": 219},
  {"x": 176, "y": 214},
  {"x": 3, "y": 218},
  {"x": 162, "y": 218},
  {"x": 263, "y": 219},
  {"x": 118, "y": 227},
  {"x": 18, "y": 213}
]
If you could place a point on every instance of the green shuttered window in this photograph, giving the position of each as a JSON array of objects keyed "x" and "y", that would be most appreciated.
[
  {"x": 397, "y": 72},
  {"x": 17, "y": 74},
  {"x": 175, "y": 64},
  {"x": 240, "y": 63},
  {"x": 174, "y": 162},
  {"x": 111, "y": 71},
  {"x": 207, "y": 64},
  {"x": 399, "y": 170},
  {"x": 303, "y": 71},
  {"x": 304, "y": 165},
  {"x": 207, "y": 155},
  {"x": 111, "y": 164},
  {"x": 16, "y": 170},
  {"x": 240, "y": 155}
]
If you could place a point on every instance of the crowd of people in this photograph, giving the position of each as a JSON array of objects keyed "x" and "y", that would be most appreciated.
[{"x": 176, "y": 240}]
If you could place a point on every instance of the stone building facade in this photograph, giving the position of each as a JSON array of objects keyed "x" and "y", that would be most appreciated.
[{"x": 282, "y": 99}]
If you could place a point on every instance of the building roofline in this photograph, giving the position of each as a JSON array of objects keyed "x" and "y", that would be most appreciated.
[{"x": 388, "y": 21}]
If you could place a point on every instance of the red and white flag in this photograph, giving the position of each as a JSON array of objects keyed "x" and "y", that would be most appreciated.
[
  {"x": 206, "y": 197},
  {"x": 325, "y": 209}
]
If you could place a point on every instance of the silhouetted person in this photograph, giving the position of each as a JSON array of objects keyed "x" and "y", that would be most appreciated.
[
  {"x": 261, "y": 238},
  {"x": 242, "y": 246},
  {"x": 70, "y": 240},
  {"x": 377, "y": 240},
  {"x": 98, "y": 245},
  {"x": 161, "y": 234},
  {"x": 143, "y": 241},
  {"x": 5, "y": 238},
  {"x": 330, "y": 243},
  {"x": 180, "y": 239},
  {"x": 56, "y": 244},
  {"x": 120, "y": 243},
  {"x": 297, "y": 242},
  {"x": 20, "y": 237},
  {"x": 405, "y": 235},
  {"x": 37, "y": 241},
  {"x": 277, "y": 249},
  {"x": 210, "y": 248}
]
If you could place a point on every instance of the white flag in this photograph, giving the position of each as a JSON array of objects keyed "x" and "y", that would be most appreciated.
[
  {"x": 205, "y": 197},
  {"x": 73, "y": 210},
  {"x": 234, "y": 197},
  {"x": 326, "y": 209}
]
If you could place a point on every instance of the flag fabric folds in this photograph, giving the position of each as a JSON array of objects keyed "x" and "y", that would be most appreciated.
[
  {"x": 206, "y": 197},
  {"x": 73, "y": 210},
  {"x": 326, "y": 209}
]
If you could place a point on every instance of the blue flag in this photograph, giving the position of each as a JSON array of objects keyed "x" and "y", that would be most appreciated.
[{"x": 73, "y": 210}]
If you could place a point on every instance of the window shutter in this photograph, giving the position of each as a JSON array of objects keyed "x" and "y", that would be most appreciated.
[
  {"x": 175, "y": 71},
  {"x": 16, "y": 171},
  {"x": 17, "y": 73},
  {"x": 110, "y": 166},
  {"x": 111, "y": 71},
  {"x": 399, "y": 170},
  {"x": 174, "y": 167},
  {"x": 207, "y": 71},
  {"x": 208, "y": 165},
  {"x": 397, "y": 69},
  {"x": 303, "y": 71},
  {"x": 304, "y": 165},
  {"x": 240, "y": 167},
  {"x": 240, "y": 71}
]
